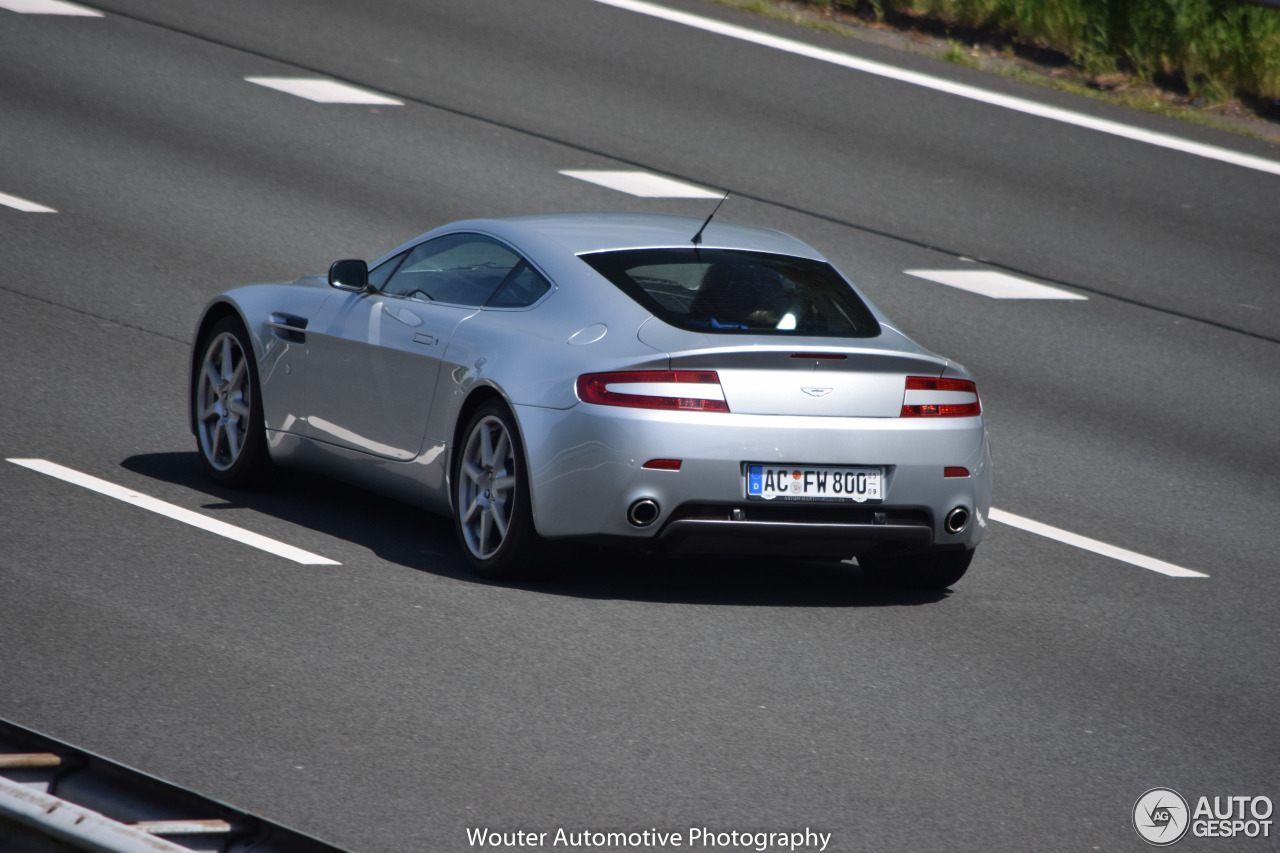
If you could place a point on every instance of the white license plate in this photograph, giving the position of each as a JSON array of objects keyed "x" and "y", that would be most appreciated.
[{"x": 814, "y": 483}]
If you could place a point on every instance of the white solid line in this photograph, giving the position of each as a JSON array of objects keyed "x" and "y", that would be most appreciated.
[
  {"x": 323, "y": 91},
  {"x": 1084, "y": 542},
  {"x": 938, "y": 84},
  {"x": 995, "y": 285},
  {"x": 48, "y": 7},
  {"x": 640, "y": 184},
  {"x": 177, "y": 513},
  {"x": 24, "y": 205}
]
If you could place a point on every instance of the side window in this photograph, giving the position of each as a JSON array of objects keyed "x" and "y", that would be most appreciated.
[
  {"x": 523, "y": 287},
  {"x": 378, "y": 275},
  {"x": 458, "y": 269}
]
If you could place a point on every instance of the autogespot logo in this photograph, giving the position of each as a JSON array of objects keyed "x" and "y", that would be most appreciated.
[{"x": 1161, "y": 817}]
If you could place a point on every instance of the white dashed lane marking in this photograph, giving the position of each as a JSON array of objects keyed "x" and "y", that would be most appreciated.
[
  {"x": 48, "y": 7},
  {"x": 177, "y": 513},
  {"x": 996, "y": 285},
  {"x": 324, "y": 91},
  {"x": 298, "y": 555},
  {"x": 1093, "y": 545},
  {"x": 641, "y": 184},
  {"x": 24, "y": 205}
]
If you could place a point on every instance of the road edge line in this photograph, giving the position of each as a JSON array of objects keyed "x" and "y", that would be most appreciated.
[{"x": 939, "y": 84}]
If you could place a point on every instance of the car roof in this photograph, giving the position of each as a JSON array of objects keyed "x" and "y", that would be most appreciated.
[{"x": 583, "y": 232}]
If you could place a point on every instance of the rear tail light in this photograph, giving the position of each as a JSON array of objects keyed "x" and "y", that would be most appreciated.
[
  {"x": 940, "y": 398},
  {"x": 686, "y": 390}
]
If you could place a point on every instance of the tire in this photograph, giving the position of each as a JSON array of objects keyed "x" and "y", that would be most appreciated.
[
  {"x": 931, "y": 570},
  {"x": 492, "y": 513},
  {"x": 226, "y": 402}
]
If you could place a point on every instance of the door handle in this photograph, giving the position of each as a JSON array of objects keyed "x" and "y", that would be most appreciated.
[{"x": 404, "y": 315}]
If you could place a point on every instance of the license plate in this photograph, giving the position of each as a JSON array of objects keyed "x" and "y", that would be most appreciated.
[{"x": 814, "y": 483}]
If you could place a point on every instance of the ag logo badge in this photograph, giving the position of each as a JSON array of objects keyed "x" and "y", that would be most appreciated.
[{"x": 1161, "y": 817}]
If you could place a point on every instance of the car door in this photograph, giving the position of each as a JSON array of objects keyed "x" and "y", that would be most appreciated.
[{"x": 373, "y": 357}]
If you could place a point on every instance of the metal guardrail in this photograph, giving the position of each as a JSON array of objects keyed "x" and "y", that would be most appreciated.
[{"x": 55, "y": 798}]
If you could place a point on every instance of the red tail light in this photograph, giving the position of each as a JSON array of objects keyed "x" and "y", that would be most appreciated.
[
  {"x": 940, "y": 398},
  {"x": 687, "y": 390}
]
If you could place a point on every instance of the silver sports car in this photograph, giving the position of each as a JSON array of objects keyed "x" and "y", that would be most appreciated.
[{"x": 643, "y": 380}]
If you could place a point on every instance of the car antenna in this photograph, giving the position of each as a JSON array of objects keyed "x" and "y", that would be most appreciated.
[{"x": 697, "y": 238}]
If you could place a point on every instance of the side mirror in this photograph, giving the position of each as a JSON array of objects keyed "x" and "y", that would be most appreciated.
[{"x": 351, "y": 275}]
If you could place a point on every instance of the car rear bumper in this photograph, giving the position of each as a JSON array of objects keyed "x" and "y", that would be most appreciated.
[{"x": 586, "y": 468}]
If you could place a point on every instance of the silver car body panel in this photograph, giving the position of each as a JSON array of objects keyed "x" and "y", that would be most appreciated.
[{"x": 370, "y": 388}]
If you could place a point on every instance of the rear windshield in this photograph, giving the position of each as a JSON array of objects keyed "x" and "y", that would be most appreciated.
[{"x": 726, "y": 290}]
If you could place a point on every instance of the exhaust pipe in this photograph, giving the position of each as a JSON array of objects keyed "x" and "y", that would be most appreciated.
[
  {"x": 957, "y": 520},
  {"x": 643, "y": 512}
]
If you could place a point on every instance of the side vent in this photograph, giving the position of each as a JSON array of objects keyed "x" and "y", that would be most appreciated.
[{"x": 289, "y": 328}]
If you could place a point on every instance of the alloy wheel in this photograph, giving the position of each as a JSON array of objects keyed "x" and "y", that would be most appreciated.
[
  {"x": 487, "y": 487},
  {"x": 224, "y": 400}
]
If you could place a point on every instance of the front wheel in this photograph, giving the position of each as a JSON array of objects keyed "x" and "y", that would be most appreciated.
[
  {"x": 930, "y": 570},
  {"x": 227, "y": 403},
  {"x": 492, "y": 514}
]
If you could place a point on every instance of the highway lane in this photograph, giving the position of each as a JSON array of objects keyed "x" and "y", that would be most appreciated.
[
  {"x": 391, "y": 702},
  {"x": 1021, "y": 191}
]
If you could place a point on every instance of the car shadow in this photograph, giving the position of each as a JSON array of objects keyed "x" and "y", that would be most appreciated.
[
  {"x": 602, "y": 573},
  {"x": 416, "y": 539},
  {"x": 393, "y": 530}
]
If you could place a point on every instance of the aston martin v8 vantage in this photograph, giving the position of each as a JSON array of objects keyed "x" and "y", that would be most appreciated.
[{"x": 624, "y": 378}]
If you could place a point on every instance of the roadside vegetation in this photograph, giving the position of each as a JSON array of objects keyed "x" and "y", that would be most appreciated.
[{"x": 1198, "y": 58}]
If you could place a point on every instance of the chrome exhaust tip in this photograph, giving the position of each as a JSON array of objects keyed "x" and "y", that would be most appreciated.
[
  {"x": 957, "y": 520},
  {"x": 643, "y": 512}
]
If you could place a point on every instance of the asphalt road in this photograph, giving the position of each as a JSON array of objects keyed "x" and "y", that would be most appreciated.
[{"x": 391, "y": 702}]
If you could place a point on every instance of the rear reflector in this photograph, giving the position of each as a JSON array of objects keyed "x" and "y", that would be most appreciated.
[
  {"x": 662, "y": 465},
  {"x": 940, "y": 398},
  {"x": 684, "y": 390},
  {"x": 955, "y": 472}
]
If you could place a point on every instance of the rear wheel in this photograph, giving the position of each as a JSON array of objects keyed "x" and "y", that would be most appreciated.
[
  {"x": 227, "y": 404},
  {"x": 930, "y": 570},
  {"x": 492, "y": 514}
]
